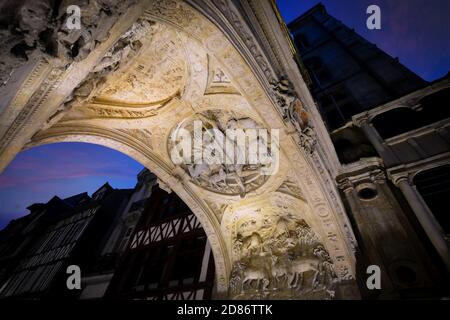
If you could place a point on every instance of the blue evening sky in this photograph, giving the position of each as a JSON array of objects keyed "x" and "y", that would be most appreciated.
[{"x": 415, "y": 31}]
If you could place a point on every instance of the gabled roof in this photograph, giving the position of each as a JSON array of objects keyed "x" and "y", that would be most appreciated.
[
  {"x": 106, "y": 188},
  {"x": 75, "y": 200}
]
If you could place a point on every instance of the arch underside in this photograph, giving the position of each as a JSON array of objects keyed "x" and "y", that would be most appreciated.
[{"x": 287, "y": 231}]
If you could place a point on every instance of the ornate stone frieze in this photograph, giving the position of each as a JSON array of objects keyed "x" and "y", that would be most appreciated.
[
  {"x": 244, "y": 33},
  {"x": 277, "y": 255},
  {"x": 33, "y": 104}
]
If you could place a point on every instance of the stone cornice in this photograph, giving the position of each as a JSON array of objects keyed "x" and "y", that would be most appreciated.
[{"x": 365, "y": 170}]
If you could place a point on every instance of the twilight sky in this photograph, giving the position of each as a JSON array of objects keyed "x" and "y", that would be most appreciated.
[
  {"x": 416, "y": 31},
  {"x": 62, "y": 169}
]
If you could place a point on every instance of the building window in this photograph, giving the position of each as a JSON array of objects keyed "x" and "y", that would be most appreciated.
[
  {"x": 319, "y": 72},
  {"x": 301, "y": 41},
  {"x": 337, "y": 106},
  {"x": 434, "y": 187},
  {"x": 432, "y": 109},
  {"x": 388, "y": 124}
]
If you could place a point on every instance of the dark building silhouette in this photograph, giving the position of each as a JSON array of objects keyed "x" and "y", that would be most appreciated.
[
  {"x": 349, "y": 74},
  {"x": 97, "y": 278},
  {"x": 391, "y": 133},
  {"x": 60, "y": 233},
  {"x": 18, "y": 237},
  {"x": 143, "y": 243}
]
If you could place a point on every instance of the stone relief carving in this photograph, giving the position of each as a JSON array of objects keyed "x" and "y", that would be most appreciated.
[
  {"x": 157, "y": 71},
  {"x": 123, "y": 50},
  {"x": 178, "y": 12},
  {"x": 279, "y": 256},
  {"x": 218, "y": 81},
  {"x": 217, "y": 207},
  {"x": 38, "y": 26},
  {"x": 142, "y": 73},
  {"x": 293, "y": 111},
  {"x": 290, "y": 187},
  {"x": 230, "y": 179}
]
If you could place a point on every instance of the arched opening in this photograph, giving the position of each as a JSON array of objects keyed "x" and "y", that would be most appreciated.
[
  {"x": 433, "y": 108},
  {"x": 396, "y": 121},
  {"x": 137, "y": 241},
  {"x": 434, "y": 187}
]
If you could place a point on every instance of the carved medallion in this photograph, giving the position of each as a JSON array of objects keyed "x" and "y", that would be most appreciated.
[{"x": 211, "y": 129}]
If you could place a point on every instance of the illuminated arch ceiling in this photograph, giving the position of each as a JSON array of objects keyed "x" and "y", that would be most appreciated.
[{"x": 167, "y": 61}]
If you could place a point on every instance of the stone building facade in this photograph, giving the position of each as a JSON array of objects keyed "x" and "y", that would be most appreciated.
[
  {"x": 389, "y": 129},
  {"x": 137, "y": 71}
]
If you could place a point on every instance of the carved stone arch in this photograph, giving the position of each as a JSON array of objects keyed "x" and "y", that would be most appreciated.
[
  {"x": 141, "y": 153},
  {"x": 212, "y": 41}
]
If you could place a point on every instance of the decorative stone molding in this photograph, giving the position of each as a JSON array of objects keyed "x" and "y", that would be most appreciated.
[
  {"x": 366, "y": 170},
  {"x": 39, "y": 97},
  {"x": 399, "y": 177},
  {"x": 293, "y": 112},
  {"x": 362, "y": 118},
  {"x": 233, "y": 18}
]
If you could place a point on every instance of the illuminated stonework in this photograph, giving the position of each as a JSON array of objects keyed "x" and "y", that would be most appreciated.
[
  {"x": 229, "y": 176},
  {"x": 162, "y": 62},
  {"x": 276, "y": 253}
]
